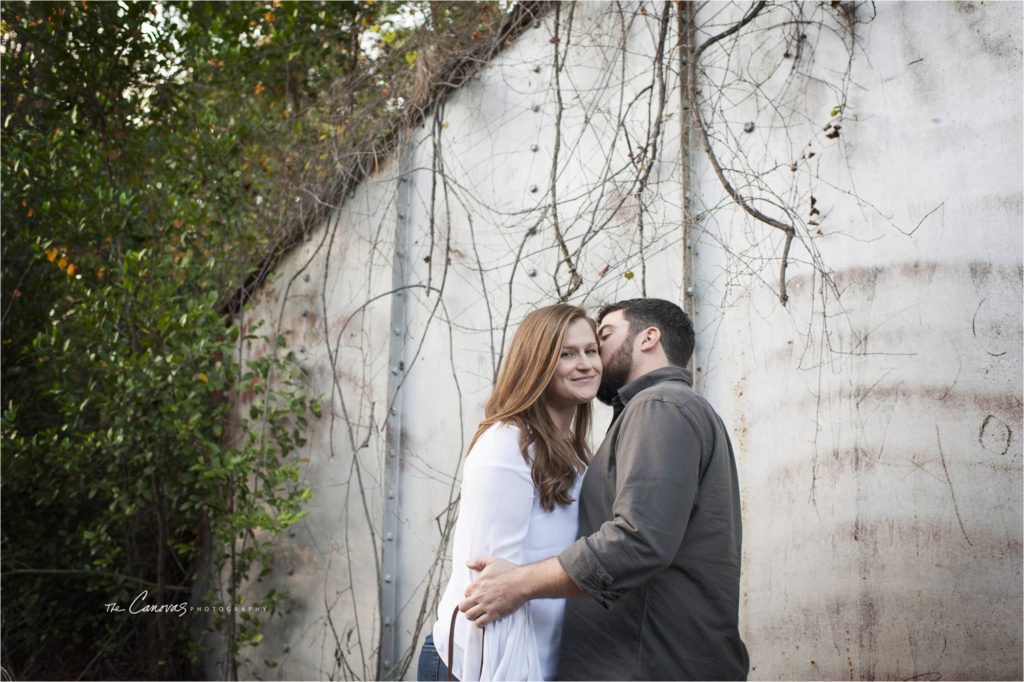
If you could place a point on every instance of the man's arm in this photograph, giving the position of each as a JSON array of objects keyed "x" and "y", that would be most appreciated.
[
  {"x": 658, "y": 465},
  {"x": 657, "y": 469},
  {"x": 503, "y": 587}
]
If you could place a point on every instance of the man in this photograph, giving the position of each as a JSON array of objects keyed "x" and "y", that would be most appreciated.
[{"x": 658, "y": 552}]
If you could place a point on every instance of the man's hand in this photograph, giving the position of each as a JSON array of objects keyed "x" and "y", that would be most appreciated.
[{"x": 496, "y": 593}]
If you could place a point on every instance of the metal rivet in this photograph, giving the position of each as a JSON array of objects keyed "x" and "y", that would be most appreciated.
[
  {"x": 394, "y": 370},
  {"x": 389, "y": 622},
  {"x": 387, "y": 662},
  {"x": 387, "y": 578},
  {"x": 534, "y": 147},
  {"x": 748, "y": 127},
  {"x": 536, "y": 69},
  {"x": 401, "y": 215},
  {"x": 291, "y": 533},
  {"x": 536, "y": 24},
  {"x": 287, "y": 648},
  {"x": 534, "y": 188},
  {"x": 291, "y": 571},
  {"x": 531, "y": 272},
  {"x": 394, "y": 412},
  {"x": 389, "y": 537},
  {"x": 535, "y": 107},
  {"x": 302, "y": 349},
  {"x": 305, "y": 278},
  {"x": 305, "y": 313},
  {"x": 689, "y": 291},
  {"x": 391, "y": 494},
  {"x": 397, "y": 331}
]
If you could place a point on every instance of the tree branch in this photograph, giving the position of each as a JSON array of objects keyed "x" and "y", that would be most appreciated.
[
  {"x": 106, "y": 574},
  {"x": 747, "y": 18}
]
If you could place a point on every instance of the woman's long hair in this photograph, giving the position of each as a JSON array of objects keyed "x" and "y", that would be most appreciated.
[{"x": 518, "y": 398}]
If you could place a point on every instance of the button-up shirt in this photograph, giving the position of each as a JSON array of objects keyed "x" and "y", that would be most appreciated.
[{"x": 659, "y": 546}]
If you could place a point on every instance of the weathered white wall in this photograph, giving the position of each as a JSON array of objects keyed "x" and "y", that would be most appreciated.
[{"x": 876, "y": 417}]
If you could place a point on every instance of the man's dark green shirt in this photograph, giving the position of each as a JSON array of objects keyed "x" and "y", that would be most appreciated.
[{"x": 659, "y": 544}]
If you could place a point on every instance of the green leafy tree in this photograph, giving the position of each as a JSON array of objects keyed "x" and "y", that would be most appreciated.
[
  {"x": 140, "y": 149},
  {"x": 154, "y": 155}
]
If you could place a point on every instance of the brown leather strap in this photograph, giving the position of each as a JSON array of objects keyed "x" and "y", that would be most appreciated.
[
  {"x": 451, "y": 641},
  {"x": 451, "y": 645}
]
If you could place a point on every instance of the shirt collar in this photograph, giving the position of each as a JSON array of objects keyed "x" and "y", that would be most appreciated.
[{"x": 670, "y": 373}]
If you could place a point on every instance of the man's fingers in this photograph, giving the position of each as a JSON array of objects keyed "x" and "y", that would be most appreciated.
[
  {"x": 479, "y": 563},
  {"x": 475, "y": 613}
]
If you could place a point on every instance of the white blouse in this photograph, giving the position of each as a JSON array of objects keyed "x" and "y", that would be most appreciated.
[{"x": 500, "y": 515}]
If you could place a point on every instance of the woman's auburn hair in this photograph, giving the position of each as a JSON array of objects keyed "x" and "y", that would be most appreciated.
[{"x": 518, "y": 399}]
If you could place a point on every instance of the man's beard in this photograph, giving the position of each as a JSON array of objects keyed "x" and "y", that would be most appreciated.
[{"x": 615, "y": 374}]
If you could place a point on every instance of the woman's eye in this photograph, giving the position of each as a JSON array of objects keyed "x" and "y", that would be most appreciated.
[
  {"x": 567, "y": 354},
  {"x": 592, "y": 351}
]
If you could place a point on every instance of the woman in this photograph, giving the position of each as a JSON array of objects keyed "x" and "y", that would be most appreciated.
[{"x": 519, "y": 488}]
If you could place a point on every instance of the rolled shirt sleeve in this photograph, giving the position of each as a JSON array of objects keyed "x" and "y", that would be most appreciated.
[{"x": 656, "y": 474}]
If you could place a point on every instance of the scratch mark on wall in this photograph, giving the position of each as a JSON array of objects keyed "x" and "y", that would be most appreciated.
[
  {"x": 1005, "y": 438},
  {"x": 952, "y": 493}
]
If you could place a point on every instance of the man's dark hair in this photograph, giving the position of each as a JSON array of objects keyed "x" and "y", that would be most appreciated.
[{"x": 676, "y": 328}]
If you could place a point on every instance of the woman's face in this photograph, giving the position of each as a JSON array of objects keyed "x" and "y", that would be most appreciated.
[{"x": 578, "y": 374}]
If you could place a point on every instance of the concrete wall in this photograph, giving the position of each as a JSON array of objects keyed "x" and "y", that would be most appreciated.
[{"x": 876, "y": 416}]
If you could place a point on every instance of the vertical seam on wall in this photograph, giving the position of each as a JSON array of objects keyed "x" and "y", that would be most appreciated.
[
  {"x": 687, "y": 76},
  {"x": 387, "y": 659}
]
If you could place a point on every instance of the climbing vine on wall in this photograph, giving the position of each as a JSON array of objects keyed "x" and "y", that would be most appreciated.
[{"x": 661, "y": 89}]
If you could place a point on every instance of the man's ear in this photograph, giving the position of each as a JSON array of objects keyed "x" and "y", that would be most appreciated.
[{"x": 649, "y": 339}]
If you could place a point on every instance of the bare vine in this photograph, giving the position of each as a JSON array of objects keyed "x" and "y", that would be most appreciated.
[{"x": 613, "y": 173}]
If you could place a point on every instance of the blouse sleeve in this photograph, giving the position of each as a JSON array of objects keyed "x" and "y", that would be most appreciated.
[{"x": 497, "y": 503}]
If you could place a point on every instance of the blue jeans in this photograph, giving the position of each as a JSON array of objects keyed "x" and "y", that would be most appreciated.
[{"x": 431, "y": 668}]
